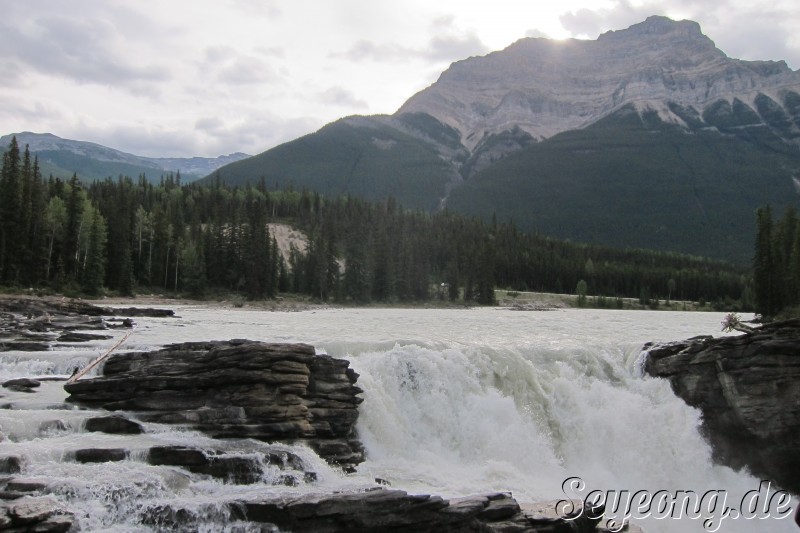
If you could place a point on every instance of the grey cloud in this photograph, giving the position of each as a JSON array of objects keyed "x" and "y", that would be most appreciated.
[
  {"x": 274, "y": 51},
  {"x": 209, "y": 124},
  {"x": 368, "y": 50},
  {"x": 451, "y": 48},
  {"x": 262, "y": 8},
  {"x": 30, "y": 111},
  {"x": 134, "y": 139},
  {"x": 11, "y": 73},
  {"x": 591, "y": 22},
  {"x": 342, "y": 97},
  {"x": 765, "y": 36},
  {"x": 79, "y": 50},
  {"x": 228, "y": 67},
  {"x": 439, "y": 48},
  {"x": 252, "y": 134},
  {"x": 245, "y": 71}
]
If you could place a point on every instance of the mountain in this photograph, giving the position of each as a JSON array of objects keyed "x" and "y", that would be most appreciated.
[
  {"x": 647, "y": 137},
  {"x": 63, "y": 157},
  {"x": 407, "y": 157}
]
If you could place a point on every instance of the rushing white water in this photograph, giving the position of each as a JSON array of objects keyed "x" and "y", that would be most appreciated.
[{"x": 457, "y": 402}]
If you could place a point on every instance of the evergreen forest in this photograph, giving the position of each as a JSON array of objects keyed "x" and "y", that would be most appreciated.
[
  {"x": 125, "y": 235},
  {"x": 776, "y": 265}
]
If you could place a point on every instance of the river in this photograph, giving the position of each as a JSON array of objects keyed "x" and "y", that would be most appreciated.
[{"x": 456, "y": 402}]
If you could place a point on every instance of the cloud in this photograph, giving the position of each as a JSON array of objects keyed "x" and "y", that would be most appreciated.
[
  {"x": 455, "y": 47},
  {"x": 251, "y": 132},
  {"x": 260, "y": 8},
  {"x": 591, "y": 22},
  {"x": 83, "y": 50},
  {"x": 30, "y": 111},
  {"x": 342, "y": 97},
  {"x": 228, "y": 66},
  {"x": 439, "y": 48},
  {"x": 367, "y": 50}
]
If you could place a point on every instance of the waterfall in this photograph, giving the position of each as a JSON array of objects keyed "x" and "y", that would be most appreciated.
[{"x": 456, "y": 402}]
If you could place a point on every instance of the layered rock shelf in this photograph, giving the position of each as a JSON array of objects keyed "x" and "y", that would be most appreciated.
[
  {"x": 237, "y": 389},
  {"x": 748, "y": 390},
  {"x": 31, "y": 324},
  {"x": 382, "y": 510}
]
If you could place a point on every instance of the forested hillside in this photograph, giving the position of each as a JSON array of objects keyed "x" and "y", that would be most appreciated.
[{"x": 127, "y": 235}]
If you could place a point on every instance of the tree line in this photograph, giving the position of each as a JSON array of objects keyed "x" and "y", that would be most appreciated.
[
  {"x": 127, "y": 235},
  {"x": 776, "y": 262}
]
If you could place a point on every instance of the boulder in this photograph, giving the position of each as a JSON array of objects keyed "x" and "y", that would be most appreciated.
[
  {"x": 11, "y": 464},
  {"x": 21, "y": 384},
  {"x": 40, "y": 514},
  {"x": 748, "y": 390},
  {"x": 74, "y": 336},
  {"x": 100, "y": 455},
  {"x": 237, "y": 389},
  {"x": 115, "y": 424},
  {"x": 52, "y": 426},
  {"x": 240, "y": 469}
]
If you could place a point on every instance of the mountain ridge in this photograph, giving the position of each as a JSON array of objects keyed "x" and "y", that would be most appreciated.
[
  {"x": 89, "y": 160},
  {"x": 506, "y": 134},
  {"x": 545, "y": 87}
]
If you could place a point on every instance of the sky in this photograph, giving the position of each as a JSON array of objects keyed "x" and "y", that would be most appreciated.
[{"x": 182, "y": 78}]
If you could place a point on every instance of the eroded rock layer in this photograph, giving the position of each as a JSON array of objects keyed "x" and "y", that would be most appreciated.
[
  {"x": 748, "y": 389},
  {"x": 237, "y": 389}
]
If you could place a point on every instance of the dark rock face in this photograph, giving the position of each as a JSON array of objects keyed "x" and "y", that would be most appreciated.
[
  {"x": 237, "y": 389},
  {"x": 21, "y": 384},
  {"x": 11, "y": 464},
  {"x": 238, "y": 469},
  {"x": 100, "y": 455},
  {"x": 118, "y": 425},
  {"x": 394, "y": 510},
  {"x": 748, "y": 389}
]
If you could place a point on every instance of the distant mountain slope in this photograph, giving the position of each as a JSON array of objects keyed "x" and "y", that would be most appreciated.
[
  {"x": 369, "y": 157},
  {"x": 63, "y": 157},
  {"x": 632, "y": 180}
]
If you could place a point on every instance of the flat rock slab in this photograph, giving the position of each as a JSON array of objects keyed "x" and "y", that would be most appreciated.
[
  {"x": 39, "y": 514},
  {"x": 382, "y": 510},
  {"x": 237, "y": 389}
]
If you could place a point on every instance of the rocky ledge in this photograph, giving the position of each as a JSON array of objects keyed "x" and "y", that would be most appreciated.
[
  {"x": 237, "y": 389},
  {"x": 380, "y": 510},
  {"x": 41, "y": 514},
  {"x": 37, "y": 324},
  {"x": 748, "y": 390}
]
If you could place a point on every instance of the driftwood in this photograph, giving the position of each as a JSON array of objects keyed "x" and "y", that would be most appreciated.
[{"x": 78, "y": 375}]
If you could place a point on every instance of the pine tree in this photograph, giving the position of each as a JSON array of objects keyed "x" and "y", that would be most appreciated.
[
  {"x": 75, "y": 202},
  {"x": 55, "y": 218},
  {"x": 763, "y": 268},
  {"x": 10, "y": 200},
  {"x": 94, "y": 273},
  {"x": 486, "y": 266}
]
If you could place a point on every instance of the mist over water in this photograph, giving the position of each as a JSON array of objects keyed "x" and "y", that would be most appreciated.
[{"x": 457, "y": 402}]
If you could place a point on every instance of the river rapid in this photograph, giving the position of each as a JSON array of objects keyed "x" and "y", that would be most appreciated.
[{"x": 545, "y": 404}]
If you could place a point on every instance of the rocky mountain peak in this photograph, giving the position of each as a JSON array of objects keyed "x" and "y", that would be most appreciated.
[
  {"x": 658, "y": 25},
  {"x": 544, "y": 87}
]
